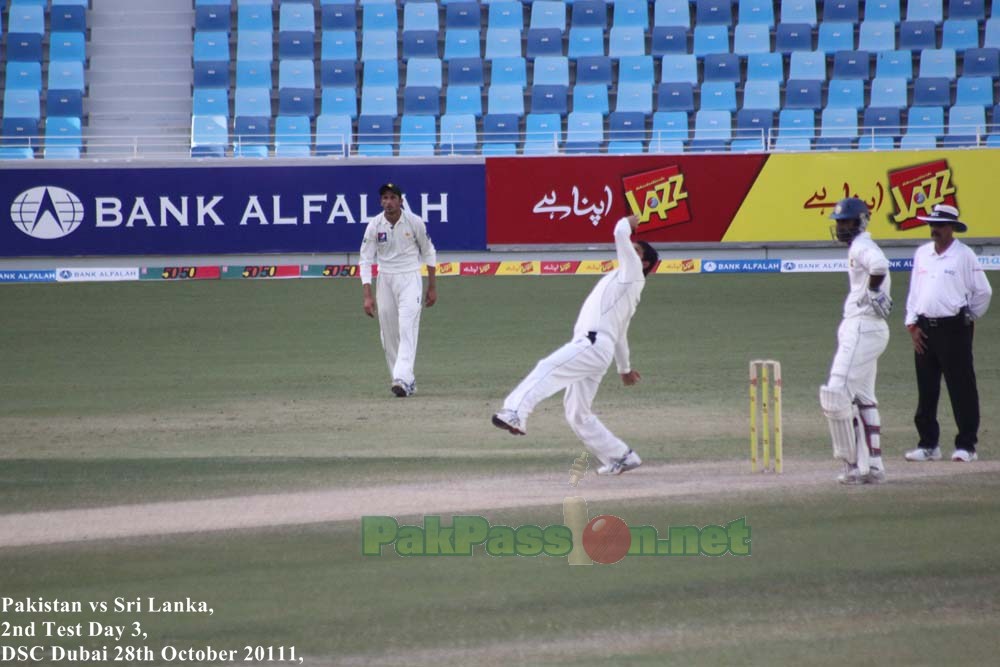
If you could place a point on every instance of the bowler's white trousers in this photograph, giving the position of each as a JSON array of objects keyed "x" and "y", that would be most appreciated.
[
  {"x": 400, "y": 299},
  {"x": 577, "y": 367}
]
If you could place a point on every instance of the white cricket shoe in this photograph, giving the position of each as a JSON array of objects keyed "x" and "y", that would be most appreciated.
[
  {"x": 875, "y": 476},
  {"x": 630, "y": 461},
  {"x": 851, "y": 475},
  {"x": 924, "y": 454},
  {"x": 964, "y": 456},
  {"x": 509, "y": 421}
]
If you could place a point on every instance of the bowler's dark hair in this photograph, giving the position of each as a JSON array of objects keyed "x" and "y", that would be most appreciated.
[{"x": 650, "y": 255}]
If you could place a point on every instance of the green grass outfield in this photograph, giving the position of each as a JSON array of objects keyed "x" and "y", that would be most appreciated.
[{"x": 123, "y": 393}]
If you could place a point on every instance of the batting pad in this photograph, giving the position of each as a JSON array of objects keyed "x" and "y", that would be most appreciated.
[{"x": 839, "y": 413}]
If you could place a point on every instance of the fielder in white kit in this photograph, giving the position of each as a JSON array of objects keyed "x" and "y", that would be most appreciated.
[
  {"x": 600, "y": 335},
  {"x": 848, "y": 397},
  {"x": 397, "y": 241}
]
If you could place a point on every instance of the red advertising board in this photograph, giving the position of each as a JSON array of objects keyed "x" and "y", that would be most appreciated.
[{"x": 551, "y": 200}]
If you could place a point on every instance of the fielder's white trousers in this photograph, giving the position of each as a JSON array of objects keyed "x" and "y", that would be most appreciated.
[
  {"x": 577, "y": 367},
  {"x": 400, "y": 298},
  {"x": 860, "y": 342}
]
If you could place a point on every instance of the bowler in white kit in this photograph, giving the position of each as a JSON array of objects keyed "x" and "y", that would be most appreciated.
[
  {"x": 397, "y": 241},
  {"x": 848, "y": 397},
  {"x": 599, "y": 336}
]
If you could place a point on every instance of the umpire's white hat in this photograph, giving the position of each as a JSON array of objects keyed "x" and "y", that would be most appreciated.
[{"x": 944, "y": 214}]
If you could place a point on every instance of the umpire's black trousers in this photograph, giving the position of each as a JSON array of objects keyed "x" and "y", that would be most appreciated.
[{"x": 949, "y": 352}]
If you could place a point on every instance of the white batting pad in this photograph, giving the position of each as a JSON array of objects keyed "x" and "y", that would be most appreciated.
[{"x": 839, "y": 413}]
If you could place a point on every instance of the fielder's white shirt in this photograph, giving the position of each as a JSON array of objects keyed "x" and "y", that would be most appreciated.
[
  {"x": 395, "y": 248},
  {"x": 864, "y": 259},
  {"x": 941, "y": 285},
  {"x": 610, "y": 306}
]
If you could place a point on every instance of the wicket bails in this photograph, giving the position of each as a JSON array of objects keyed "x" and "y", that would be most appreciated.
[{"x": 765, "y": 388}]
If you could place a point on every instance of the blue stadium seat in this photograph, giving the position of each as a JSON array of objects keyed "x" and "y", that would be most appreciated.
[
  {"x": 718, "y": 96},
  {"x": 381, "y": 73},
  {"x": 888, "y": 92},
  {"x": 417, "y": 136},
  {"x": 378, "y": 45},
  {"x": 915, "y": 142},
  {"x": 894, "y": 65},
  {"x": 23, "y": 76},
  {"x": 584, "y": 132},
  {"x": 375, "y": 135},
  {"x": 212, "y": 46},
  {"x": 251, "y": 136},
  {"x": 66, "y": 46},
  {"x": 548, "y": 14},
  {"x": 379, "y": 16},
  {"x": 24, "y": 47},
  {"x": 543, "y": 42},
  {"x": 877, "y": 36},
  {"x": 421, "y": 101},
  {"x": 506, "y": 15},
  {"x": 637, "y": 69},
  {"x": 339, "y": 101},
  {"x": 625, "y": 148},
  {"x": 802, "y": 94},
  {"x": 753, "y": 127},
  {"x": 851, "y": 65},
  {"x": 509, "y": 72},
  {"x": 627, "y": 41},
  {"x": 422, "y": 16},
  {"x": 378, "y": 101},
  {"x": 981, "y": 62},
  {"x": 713, "y": 12},
  {"x": 710, "y": 39},
  {"x": 791, "y": 37},
  {"x": 340, "y": 16},
  {"x": 838, "y": 128},
  {"x": 505, "y": 99},
  {"x": 461, "y": 99},
  {"x": 631, "y": 13},
  {"x": 255, "y": 74},
  {"x": 422, "y": 72},
  {"x": 667, "y": 39},
  {"x": 882, "y": 122},
  {"x": 594, "y": 13},
  {"x": 292, "y": 136},
  {"x": 420, "y": 44},
  {"x": 338, "y": 45},
  {"x": 458, "y": 134},
  {"x": 66, "y": 75},
  {"x": 673, "y": 13},
  {"x": 760, "y": 95},
  {"x": 765, "y": 67},
  {"x": 626, "y": 128},
  {"x": 590, "y": 98},
  {"x": 462, "y": 15},
  {"x": 257, "y": 45},
  {"x": 210, "y": 102},
  {"x": 595, "y": 69},
  {"x": 554, "y": 71},
  {"x": 542, "y": 134},
  {"x": 799, "y": 11},
  {"x": 254, "y": 17},
  {"x": 675, "y": 96},
  {"x": 671, "y": 126},
  {"x": 63, "y": 138},
  {"x": 209, "y": 136},
  {"x": 466, "y": 71},
  {"x": 846, "y": 94},
  {"x": 679, "y": 67},
  {"x": 937, "y": 62},
  {"x": 964, "y": 122},
  {"x": 64, "y": 103},
  {"x": 882, "y": 10},
  {"x": 344, "y": 73},
  {"x": 26, "y": 18},
  {"x": 808, "y": 65},
  {"x": 974, "y": 91},
  {"x": 21, "y": 132},
  {"x": 931, "y": 92},
  {"x": 503, "y": 43},
  {"x": 211, "y": 74},
  {"x": 333, "y": 134},
  {"x": 293, "y": 73},
  {"x": 756, "y": 12},
  {"x": 751, "y": 38},
  {"x": 917, "y": 35},
  {"x": 297, "y": 17},
  {"x": 635, "y": 97},
  {"x": 924, "y": 10},
  {"x": 835, "y": 37},
  {"x": 298, "y": 102},
  {"x": 722, "y": 67},
  {"x": 68, "y": 18},
  {"x": 841, "y": 10},
  {"x": 713, "y": 130},
  {"x": 212, "y": 17},
  {"x": 796, "y": 128},
  {"x": 960, "y": 34},
  {"x": 967, "y": 9},
  {"x": 501, "y": 132},
  {"x": 461, "y": 43},
  {"x": 991, "y": 36},
  {"x": 549, "y": 99}
]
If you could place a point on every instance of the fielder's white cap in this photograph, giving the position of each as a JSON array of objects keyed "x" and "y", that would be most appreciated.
[{"x": 944, "y": 214}]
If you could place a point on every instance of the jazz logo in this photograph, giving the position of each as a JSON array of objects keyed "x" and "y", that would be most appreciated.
[
  {"x": 916, "y": 190},
  {"x": 658, "y": 197}
]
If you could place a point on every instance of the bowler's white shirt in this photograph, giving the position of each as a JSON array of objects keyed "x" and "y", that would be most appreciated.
[
  {"x": 610, "y": 306},
  {"x": 395, "y": 248},
  {"x": 941, "y": 285},
  {"x": 864, "y": 259}
]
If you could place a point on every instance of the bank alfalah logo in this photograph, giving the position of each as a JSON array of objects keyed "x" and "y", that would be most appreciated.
[{"x": 46, "y": 212}]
